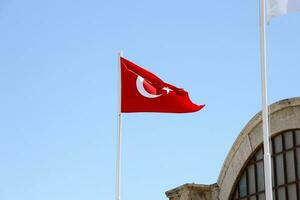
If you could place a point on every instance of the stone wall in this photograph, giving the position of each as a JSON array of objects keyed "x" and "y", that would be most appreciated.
[
  {"x": 284, "y": 115},
  {"x": 194, "y": 192}
]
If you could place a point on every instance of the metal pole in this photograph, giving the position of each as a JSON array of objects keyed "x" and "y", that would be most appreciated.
[
  {"x": 119, "y": 145},
  {"x": 265, "y": 114}
]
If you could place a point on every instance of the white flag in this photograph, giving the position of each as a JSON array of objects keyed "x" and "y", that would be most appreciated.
[{"x": 282, "y": 7}]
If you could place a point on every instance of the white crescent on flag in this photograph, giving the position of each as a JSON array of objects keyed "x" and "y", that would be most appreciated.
[{"x": 142, "y": 90}]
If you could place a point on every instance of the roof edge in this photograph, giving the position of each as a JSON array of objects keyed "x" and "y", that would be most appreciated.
[{"x": 190, "y": 186}]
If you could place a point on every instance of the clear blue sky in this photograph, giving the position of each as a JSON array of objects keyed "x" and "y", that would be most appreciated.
[{"x": 58, "y": 92}]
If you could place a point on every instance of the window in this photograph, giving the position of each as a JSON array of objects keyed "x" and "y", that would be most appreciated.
[{"x": 286, "y": 171}]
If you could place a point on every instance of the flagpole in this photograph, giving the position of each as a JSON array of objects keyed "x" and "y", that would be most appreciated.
[
  {"x": 119, "y": 145},
  {"x": 265, "y": 114}
]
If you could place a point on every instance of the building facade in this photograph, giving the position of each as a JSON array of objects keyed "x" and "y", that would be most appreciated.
[{"x": 242, "y": 176}]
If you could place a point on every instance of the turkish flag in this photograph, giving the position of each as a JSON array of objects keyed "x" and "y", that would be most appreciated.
[{"x": 142, "y": 91}]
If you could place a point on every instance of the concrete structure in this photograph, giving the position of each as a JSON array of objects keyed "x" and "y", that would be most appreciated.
[
  {"x": 243, "y": 162},
  {"x": 194, "y": 191}
]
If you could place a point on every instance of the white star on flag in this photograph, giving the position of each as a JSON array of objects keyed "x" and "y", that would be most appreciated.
[{"x": 168, "y": 90}]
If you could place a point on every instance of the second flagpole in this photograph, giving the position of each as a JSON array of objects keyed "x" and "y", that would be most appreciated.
[
  {"x": 119, "y": 145},
  {"x": 265, "y": 114}
]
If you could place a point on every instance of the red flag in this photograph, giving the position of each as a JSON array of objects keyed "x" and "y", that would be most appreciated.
[{"x": 142, "y": 91}]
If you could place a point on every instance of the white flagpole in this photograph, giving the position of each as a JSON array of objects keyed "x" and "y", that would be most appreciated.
[
  {"x": 265, "y": 114},
  {"x": 119, "y": 146}
]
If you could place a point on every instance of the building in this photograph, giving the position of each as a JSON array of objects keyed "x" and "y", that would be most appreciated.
[{"x": 242, "y": 177}]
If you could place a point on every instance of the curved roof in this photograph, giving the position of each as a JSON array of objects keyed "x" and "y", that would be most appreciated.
[{"x": 284, "y": 115}]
